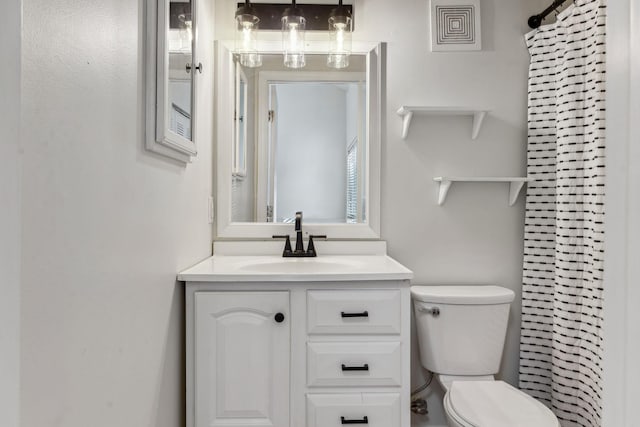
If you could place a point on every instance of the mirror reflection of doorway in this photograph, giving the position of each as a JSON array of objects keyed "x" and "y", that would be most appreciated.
[
  {"x": 313, "y": 135},
  {"x": 180, "y": 86},
  {"x": 303, "y": 138}
]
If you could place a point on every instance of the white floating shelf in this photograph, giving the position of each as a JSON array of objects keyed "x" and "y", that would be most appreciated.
[
  {"x": 407, "y": 112},
  {"x": 515, "y": 185}
]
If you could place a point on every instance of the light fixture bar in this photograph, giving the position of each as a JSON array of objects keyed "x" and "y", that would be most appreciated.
[{"x": 317, "y": 15}]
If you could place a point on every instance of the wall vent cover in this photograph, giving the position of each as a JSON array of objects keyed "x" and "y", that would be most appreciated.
[{"x": 455, "y": 25}]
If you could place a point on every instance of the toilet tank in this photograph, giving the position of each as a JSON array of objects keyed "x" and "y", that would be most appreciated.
[{"x": 461, "y": 329}]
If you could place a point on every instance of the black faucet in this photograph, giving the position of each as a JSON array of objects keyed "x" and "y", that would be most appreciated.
[
  {"x": 299, "y": 252},
  {"x": 298, "y": 229}
]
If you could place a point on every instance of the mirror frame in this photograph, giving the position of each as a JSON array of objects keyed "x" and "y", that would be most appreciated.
[
  {"x": 159, "y": 138},
  {"x": 225, "y": 228}
]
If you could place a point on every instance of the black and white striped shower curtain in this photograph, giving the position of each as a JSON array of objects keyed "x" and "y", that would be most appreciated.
[{"x": 561, "y": 341}]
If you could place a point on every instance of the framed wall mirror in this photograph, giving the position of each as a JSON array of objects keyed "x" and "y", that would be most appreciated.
[
  {"x": 171, "y": 78},
  {"x": 299, "y": 140}
]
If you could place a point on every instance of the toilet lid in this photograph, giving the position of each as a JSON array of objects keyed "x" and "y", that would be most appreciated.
[{"x": 497, "y": 404}]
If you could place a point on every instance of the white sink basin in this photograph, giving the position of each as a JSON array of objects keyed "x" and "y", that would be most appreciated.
[
  {"x": 277, "y": 268},
  {"x": 301, "y": 265}
]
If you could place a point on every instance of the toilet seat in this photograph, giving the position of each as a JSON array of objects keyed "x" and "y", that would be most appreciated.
[{"x": 495, "y": 404}]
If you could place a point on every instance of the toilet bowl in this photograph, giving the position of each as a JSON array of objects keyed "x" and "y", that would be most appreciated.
[{"x": 461, "y": 333}]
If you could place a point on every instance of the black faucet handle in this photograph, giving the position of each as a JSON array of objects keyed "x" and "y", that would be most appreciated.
[
  {"x": 311, "y": 249},
  {"x": 287, "y": 244},
  {"x": 318, "y": 236}
]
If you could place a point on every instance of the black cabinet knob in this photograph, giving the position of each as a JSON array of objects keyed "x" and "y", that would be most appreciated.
[{"x": 279, "y": 317}]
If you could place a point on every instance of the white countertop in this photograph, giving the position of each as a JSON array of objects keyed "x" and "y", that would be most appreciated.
[{"x": 271, "y": 268}]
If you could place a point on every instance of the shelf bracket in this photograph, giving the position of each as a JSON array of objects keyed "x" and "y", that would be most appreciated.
[
  {"x": 514, "y": 191},
  {"x": 443, "y": 190},
  {"x": 406, "y": 122},
  {"x": 478, "y": 118}
]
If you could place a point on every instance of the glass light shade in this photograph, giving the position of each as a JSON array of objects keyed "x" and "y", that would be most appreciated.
[
  {"x": 247, "y": 40},
  {"x": 293, "y": 40},
  {"x": 186, "y": 31},
  {"x": 340, "y": 41}
]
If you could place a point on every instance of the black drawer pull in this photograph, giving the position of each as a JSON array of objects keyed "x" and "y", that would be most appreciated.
[
  {"x": 365, "y": 367},
  {"x": 364, "y": 420},
  {"x": 363, "y": 314}
]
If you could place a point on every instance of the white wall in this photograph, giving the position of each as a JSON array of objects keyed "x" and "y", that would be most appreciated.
[
  {"x": 10, "y": 223},
  {"x": 106, "y": 223},
  {"x": 622, "y": 295}
]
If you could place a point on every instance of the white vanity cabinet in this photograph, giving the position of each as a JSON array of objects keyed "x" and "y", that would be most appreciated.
[{"x": 282, "y": 351}]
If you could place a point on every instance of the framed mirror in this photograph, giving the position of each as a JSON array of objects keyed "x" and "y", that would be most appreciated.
[
  {"x": 299, "y": 140},
  {"x": 171, "y": 78}
]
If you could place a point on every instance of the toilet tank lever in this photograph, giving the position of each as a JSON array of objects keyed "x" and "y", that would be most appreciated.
[{"x": 435, "y": 311}]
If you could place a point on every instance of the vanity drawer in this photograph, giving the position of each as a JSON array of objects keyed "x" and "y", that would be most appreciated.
[
  {"x": 366, "y": 409},
  {"x": 353, "y": 312},
  {"x": 354, "y": 364}
]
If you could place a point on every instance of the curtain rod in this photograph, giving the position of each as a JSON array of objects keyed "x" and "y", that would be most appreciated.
[{"x": 535, "y": 20}]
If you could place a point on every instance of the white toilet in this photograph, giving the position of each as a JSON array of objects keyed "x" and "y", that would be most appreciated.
[{"x": 461, "y": 332}]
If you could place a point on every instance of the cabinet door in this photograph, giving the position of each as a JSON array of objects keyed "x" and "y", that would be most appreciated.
[{"x": 242, "y": 359}]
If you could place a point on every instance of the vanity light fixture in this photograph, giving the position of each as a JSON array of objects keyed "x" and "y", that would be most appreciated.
[
  {"x": 293, "y": 22},
  {"x": 246, "y": 35},
  {"x": 186, "y": 30},
  {"x": 293, "y": 36},
  {"x": 340, "y": 27}
]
